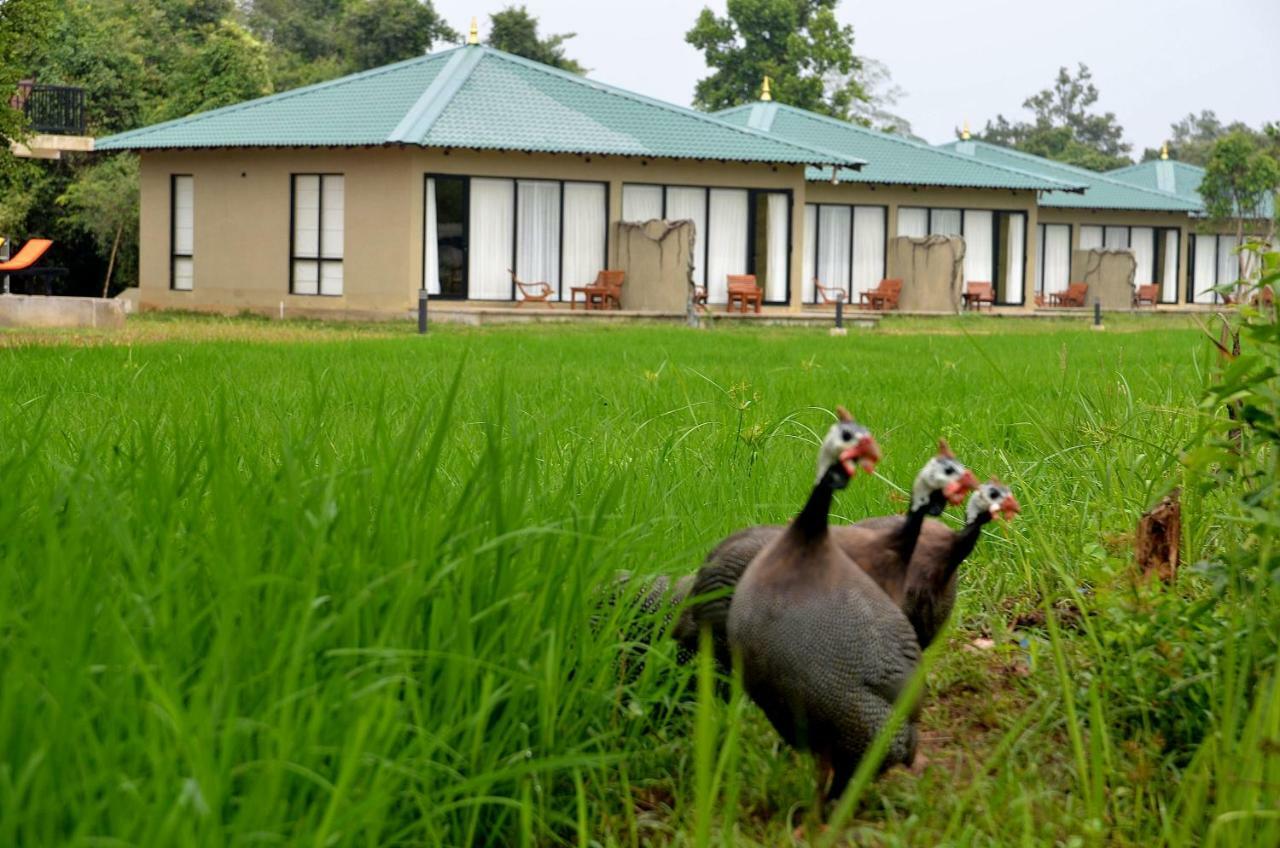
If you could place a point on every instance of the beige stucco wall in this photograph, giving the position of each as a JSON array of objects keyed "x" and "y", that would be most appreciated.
[
  {"x": 892, "y": 196},
  {"x": 242, "y": 217}
]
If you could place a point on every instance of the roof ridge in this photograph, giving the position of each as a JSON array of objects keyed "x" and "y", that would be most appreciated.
[
  {"x": 606, "y": 88},
  {"x": 436, "y": 97},
  {"x": 915, "y": 145},
  {"x": 139, "y": 132},
  {"x": 1097, "y": 175}
]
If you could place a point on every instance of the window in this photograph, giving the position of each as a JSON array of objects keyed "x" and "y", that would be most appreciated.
[
  {"x": 847, "y": 248},
  {"x": 477, "y": 230},
  {"x": 1166, "y": 258},
  {"x": 182, "y": 232},
  {"x": 737, "y": 231},
  {"x": 316, "y": 237},
  {"x": 1053, "y": 271},
  {"x": 1154, "y": 249},
  {"x": 995, "y": 243}
]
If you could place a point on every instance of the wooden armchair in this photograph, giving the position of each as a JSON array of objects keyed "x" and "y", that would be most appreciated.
[
  {"x": 830, "y": 294},
  {"x": 977, "y": 294},
  {"x": 606, "y": 290},
  {"x": 1146, "y": 294},
  {"x": 700, "y": 298},
  {"x": 531, "y": 292},
  {"x": 884, "y": 296},
  {"x": 743, "y": 291},
  {"x": 1074, "y": 295}
]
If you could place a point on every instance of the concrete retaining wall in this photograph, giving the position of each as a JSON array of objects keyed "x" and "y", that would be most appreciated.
[
  {"x": 1109, "y": 273},
  {"x": 658, "y": 259},
  {"x": 932, "y": 272},
  {"x": 31, "y": 310}
]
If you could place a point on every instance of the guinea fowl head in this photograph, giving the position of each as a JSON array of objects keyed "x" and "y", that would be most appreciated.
[
  {"x": 943, "y": 480},
  {"x": 992, "y": 499},
  {"x": 847, "y": 447}
]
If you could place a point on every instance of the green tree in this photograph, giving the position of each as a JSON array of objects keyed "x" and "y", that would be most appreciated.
[
  {"x": 1240, "y": 186},
  {"x": 229, "y": 67},
  {"x": 516, "y": 31},
  {"x": 1191, "y": 139},
  {"x": 799, "y": 44},
  {"x": 23, "y": 23},
  {"x": 385, "y": 31},
  {"x": 1063, "y": 128},
  {"x": 103, "y": 202}
]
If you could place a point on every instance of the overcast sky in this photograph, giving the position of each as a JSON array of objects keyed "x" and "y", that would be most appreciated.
[{"x": 969, "y": 59}]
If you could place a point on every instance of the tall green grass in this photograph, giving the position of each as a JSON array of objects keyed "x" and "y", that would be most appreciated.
[{"x": 347, "y": 592}]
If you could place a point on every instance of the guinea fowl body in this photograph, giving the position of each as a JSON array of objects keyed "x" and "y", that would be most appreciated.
[{"x": 824, "y": 652}]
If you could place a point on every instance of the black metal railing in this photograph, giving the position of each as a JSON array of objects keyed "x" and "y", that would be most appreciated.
[{"x": 54, "y": 109}]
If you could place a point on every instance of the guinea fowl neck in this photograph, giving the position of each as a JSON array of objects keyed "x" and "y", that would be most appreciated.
[
  {"x": 909, "y": 533},
  {"x": 965, "y": 540},
  {"x": 811, "y": 523}
]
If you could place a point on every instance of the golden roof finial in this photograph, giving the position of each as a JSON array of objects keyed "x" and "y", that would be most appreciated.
[
  {"x": 473, "y": 36},
  {"x": 964, "y": 132},
  {"x": 1164, "y": 150},
  {"x": 765, "y": 94}
]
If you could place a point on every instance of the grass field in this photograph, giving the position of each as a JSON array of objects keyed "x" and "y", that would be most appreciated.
[{"x": 305, "y": 585}]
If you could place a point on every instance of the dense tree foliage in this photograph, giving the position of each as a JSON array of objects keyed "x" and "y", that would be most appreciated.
[
  {"x": 1191, "y": 139},
  {"x": 1063, "y": 127},
  {"x": 799, "y": 44},
  {"x": 516, "y": 31}
]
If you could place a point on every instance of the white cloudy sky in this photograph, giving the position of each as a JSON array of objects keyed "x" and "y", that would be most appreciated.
[{"x": 969, "y": 59}]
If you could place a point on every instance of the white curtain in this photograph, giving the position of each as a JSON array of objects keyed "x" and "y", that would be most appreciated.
[
  {"x": 690, "y": 204},
  {"x": 1090, "y": 237},
  {"x": 538, "y": 232},
  {"x": 726, "y": 240},
  {"x": 978, "y": 260},
  {"x": 1015, "y": 254},
  {"x": 641, "y": 202},
  {"x": 584, "y": 233},
  {"x": 1142, "y": 243},
  {"x": 913, "y": 221},
  {"x": 1169, "y": 290},
  {"x": 431, "y": 243},
  {"x": 868, "y": 248},
  {"x": 1057, "y": 258},
  {"x": 833, "y": 246},
  {"x": 807, "y": 292},
  {"x": 945, "y": 222},
  {"x": 1205, "y": 265},
  {"x": 490, "y": 230},
  {"x": 778, "y": 235},
  {"x": 184, "y": 229},
  {"x": 1115, "y": 238},
  {"x": 1228, "y": 260}
]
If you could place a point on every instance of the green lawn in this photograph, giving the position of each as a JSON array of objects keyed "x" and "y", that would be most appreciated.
[{"x": 317, "y": 585}]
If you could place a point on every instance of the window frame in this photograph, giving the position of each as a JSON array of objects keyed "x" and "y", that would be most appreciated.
[
  {"x": 995, "y": 211},
  {"x": 319, "y": 258},
  {"x": 174, "y": 256},
  {"x": 817, "y": 241}
]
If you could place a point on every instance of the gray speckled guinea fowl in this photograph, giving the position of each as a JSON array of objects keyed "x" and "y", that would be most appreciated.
[
  {"x": 824, "y": 651},
  {"x": 884, "y": 547}
]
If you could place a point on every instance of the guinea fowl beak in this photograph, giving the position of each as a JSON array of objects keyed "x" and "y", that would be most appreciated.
[
  {"x": 1007, "y": 508},
  {"x": 866, "y": 453},
  {"x": 956, "y": 490}
]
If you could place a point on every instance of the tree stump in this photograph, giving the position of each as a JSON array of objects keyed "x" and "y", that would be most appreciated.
[{"x": 1156, "y": 546}]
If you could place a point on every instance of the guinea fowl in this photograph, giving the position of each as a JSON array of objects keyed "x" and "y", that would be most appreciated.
[
  {"x": 824, "y": 651},
  {"x": 882, "y": 546}
]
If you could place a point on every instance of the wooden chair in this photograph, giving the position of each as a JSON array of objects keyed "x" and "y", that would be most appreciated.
[
  {"x": 606, "y": 289},
  {"x": 1074, "y": 295},
  {"x": 883, "y": 297},
  {"x": 700, "y": 298},
  {"x": 744, "y": 291},
  {"x": 979, "y": 293},
  {"x": 1146, "y": 294},
  {"x": 830, "y": 294},
  {"x": 531, "y": 292}
]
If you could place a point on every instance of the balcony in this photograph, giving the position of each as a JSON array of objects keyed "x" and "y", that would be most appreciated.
[{"x": 55, "y": 118}]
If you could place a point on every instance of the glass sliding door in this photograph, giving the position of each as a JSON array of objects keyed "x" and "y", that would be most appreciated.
[
  {"x": 946, "y": 222},
  {"x": 728, "y": 213},
  {"x": 835, "y": 232},
  {"x": 868, "y": 249},
  {"x": 1204, "y": 265},
  {"x": 1090, "y": 237},
  {"x": 1054, "y": 267},
  {"x": 445, "y": 241},
  {"x": 1142, "y": 244},
  {"x": 585, "y": 233},
  {"x": 1010, "y": 258},
  {"x": 913, "y": 221},
  {"x": 807, "y": 292},
  {"x": 1115, "y": 238},
  {"x": 491, "y": 239},
  {"x": 979, "y": 235},
  {"x": 1165, "y": 258},
  {"x": 641, "y": 202},
  {"x": 538, "y": 232},
  {"x": 691, "y": 204},
  {"x": 771, "y": 239}
]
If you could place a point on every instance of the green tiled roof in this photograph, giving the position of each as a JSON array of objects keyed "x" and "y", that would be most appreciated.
[
  {"x": 1101, "y": 192},
  {"x": 890, "y": 159},
  {"x": 479, "y": 98},
  {"x": 1171, "y": 176}
]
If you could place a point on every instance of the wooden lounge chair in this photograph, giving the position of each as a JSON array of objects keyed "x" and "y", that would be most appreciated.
[
  {"x": 1146, "y": 294},
  {"x": 979, "y": 293},
  {"x": 883, "y": 297},
  {"x": 23, "y": 263},
  {"x": 531, "y": 292},
  {"x": 1074, "y": 295},
  {"x": 830, "y": 294},
  {"x": 744, "y": 291},
  {"x": 606, "y": 290}
]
